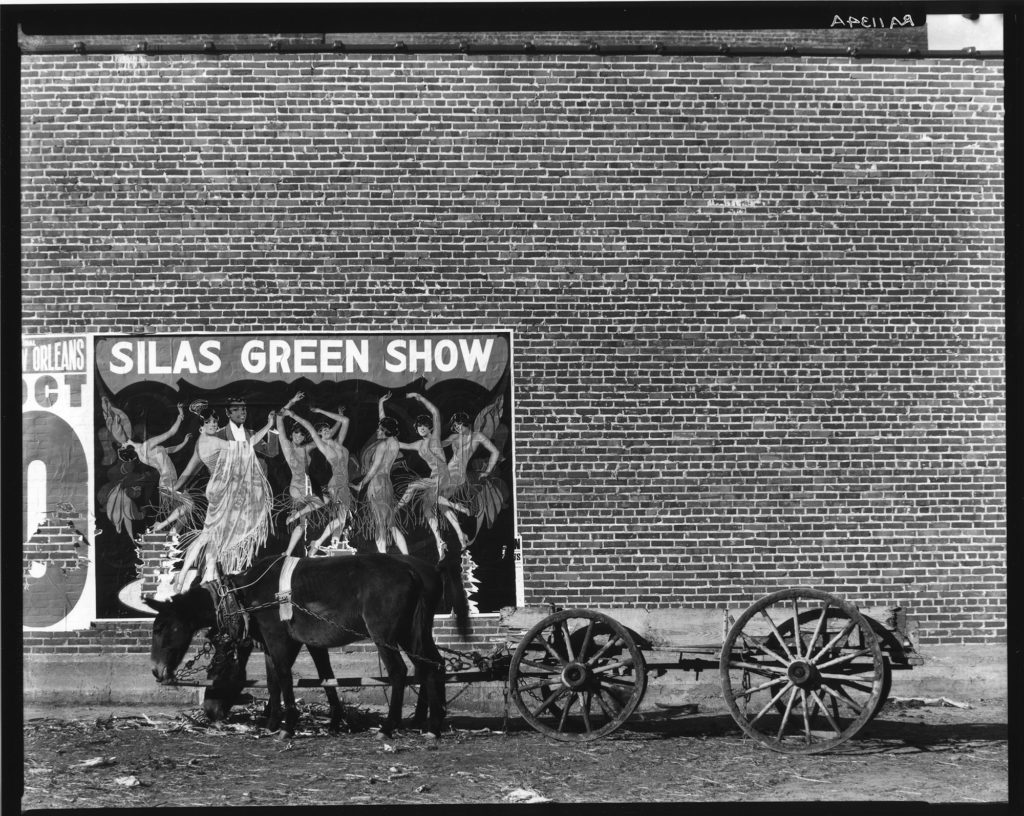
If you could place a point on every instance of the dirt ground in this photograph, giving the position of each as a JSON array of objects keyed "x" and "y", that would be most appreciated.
[{"x": 139, "y": 758}]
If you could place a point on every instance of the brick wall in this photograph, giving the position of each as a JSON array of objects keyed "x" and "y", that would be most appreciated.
[{"x": 757, "y": 302}]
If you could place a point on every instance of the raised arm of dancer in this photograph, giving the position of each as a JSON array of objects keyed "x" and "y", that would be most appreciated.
[
  {"x": 340, "y": 421},
  {"x": 159, "y": 439},
  {"x": 180, "y": 445},
  {"x": 310, "y": 431},
  {"x": 434, "y": 413},
  {"x": 262, "y": 432},
  {"x": 190, "y": 469}
]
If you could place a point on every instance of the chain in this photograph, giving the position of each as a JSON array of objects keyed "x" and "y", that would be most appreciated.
[
  {"x": 187, "y": 670},
  {"x": 461, "y": 661}
]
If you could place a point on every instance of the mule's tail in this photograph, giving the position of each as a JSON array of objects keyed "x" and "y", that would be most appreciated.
[{"x": 450, "y": 568}]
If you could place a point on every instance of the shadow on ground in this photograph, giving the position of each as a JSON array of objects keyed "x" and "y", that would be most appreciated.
[{"x": 882, "y": 735}]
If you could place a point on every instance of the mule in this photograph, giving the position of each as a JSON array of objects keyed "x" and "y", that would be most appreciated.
[
  {"x": 334, "y": 601},
  {"x": 231, "y": 652}
]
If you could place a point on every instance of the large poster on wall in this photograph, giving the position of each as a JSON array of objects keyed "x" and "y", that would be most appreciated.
[
  {"x": 357, "y": 443},
  {"x": 56, "y": 519}
]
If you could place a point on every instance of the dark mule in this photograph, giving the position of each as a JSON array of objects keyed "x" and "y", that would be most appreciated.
[
  {"x": 335, "y": 601},
  {"x": 227, "y": 672}
]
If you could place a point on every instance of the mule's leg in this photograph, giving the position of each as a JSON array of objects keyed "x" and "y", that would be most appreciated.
[
  {"x": 324, "y": 671},
  {"x": 397, "y": 672},
  {"x": 419, "y": 717},
  {"x": 433, "y": 688},
  {"x": 272, "y": 712},
  {"x": 281, "y": 658}
]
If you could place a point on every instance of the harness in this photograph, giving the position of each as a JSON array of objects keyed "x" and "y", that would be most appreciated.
[
  {"x": 284, "y": 587},
  {"x": 232, "y": 617}
]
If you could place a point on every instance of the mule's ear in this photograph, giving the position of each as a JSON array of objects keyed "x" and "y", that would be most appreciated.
[{"x": 154, "y": 604}]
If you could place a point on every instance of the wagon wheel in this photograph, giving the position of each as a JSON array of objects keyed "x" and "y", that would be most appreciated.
[
  {"x": 577, "y": 675},
  {"x": 807, "y": 621},
  {"x": 806, "y": 694}
]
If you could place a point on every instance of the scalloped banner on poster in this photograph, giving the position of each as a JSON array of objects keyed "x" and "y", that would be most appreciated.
[{"x": 389, "y": 360}]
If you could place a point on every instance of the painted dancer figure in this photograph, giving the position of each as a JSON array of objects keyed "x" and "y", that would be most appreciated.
[
  {"x": 464, "y": 442},
  {"x": 234, "y": 430},
  {"x": 238, "y": 497},
  {"x": 337, "y": 495},
  {"x": 296, "y": 447},
  {"x": 151, "y": 452},
  {"x": 432, "y": 490},
  {"x": 380, "y": 493}
]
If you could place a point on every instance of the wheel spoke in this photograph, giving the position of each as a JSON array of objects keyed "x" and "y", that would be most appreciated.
[
  {"x": 626, "y": 662},
  {"x": 558, "y": 692},
  {"x": 750, "y": 642},
  {"x": 818, "y": 629},
  {"x": 775, "y": 630},
  {"x": 785, "y": 715},
  {"x": 534, "y": 686},
  {"x": 762, "y": 687},
  {"x": 832, "y": 643},
  {"x": 849, "y": 681},
  {"x": 565, "y": 712},
  {"x": 798, "y": 644},
  {"x": 585, "y": 708},
  {"x": 771, "y": 702},
  {"x": 807, "y": 719},
  {"x": 827, "y": 713},
  {"x": 564, "y": 628},
  {"x": 613, "y": 639},
  {"x": 761, "y": 668},
  {"x": 841, "y": 696},
  {"x": 621, "y": 680},
  {"x": 587, "y": 638},
  {"x": 616, "y": 703},
  {"x": 844, "y": 659},
  {"x": 551, "y": 651},
  {"x": 608, "y": 712}
]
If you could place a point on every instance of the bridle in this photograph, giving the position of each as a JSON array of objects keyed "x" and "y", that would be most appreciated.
[{"x": 232, "y": 627}]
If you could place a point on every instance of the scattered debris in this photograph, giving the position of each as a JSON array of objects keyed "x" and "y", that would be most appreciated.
[
  {"x": 526, "y": 796},
  {"x": 421, "y": 789},
  {"x": 130, "y": 781},
  {"x": 96, "y": 762},
  {"x": 915, "y": 702},
  {"x": 678, "y": 710}
]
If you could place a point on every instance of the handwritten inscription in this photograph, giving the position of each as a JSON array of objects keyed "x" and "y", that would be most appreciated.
[{"x": 872, "y": 22}]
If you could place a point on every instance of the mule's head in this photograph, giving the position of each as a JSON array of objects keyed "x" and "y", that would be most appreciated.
[
  {"x": 172, "y": 636},
  {"x": 226, "y": 674}
]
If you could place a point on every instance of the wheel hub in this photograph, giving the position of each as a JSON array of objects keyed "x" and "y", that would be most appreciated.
[
  {"x": 801, "y": 673},
  {"x": 575, "y": 675}
]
